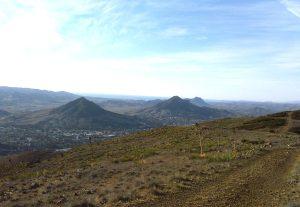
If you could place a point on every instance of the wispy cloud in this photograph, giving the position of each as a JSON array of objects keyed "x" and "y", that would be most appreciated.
[
  {"x": 217, "y": 49},
  {"x": 175, "y": 32},
  {"x": 293, "y": 6}
]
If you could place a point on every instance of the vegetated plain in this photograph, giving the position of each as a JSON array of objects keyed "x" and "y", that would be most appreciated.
[{"x": 240, "y": 162}]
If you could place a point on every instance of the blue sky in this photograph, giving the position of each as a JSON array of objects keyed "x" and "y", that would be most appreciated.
[{"x": 217, "y": 49}]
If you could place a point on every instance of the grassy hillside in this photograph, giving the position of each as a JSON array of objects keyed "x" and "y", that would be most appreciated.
[
  {"x": 280, "y": 122},
  {"x": 137, "y": 168}
]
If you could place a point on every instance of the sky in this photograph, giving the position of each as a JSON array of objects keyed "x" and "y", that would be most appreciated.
[{"x": 215, "y": 49}]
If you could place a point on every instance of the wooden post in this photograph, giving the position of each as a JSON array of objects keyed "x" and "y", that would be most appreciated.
[
  {"x": 219, "y": 135},
  {"x": 234, "y": 142},
  {"x": 203, "y": 132}
]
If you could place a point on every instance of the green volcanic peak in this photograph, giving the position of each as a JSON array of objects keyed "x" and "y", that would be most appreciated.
[
  {"x": 4, "y": 113},
  {"x": 174, "y": 103},
  {"x": 198, "y": 102},
  {"x": 80, "y": 108},
  {"x": 177, "y": 111},
  {"x": 78, "y": 114},
  {"x": 84, "y": 114}
]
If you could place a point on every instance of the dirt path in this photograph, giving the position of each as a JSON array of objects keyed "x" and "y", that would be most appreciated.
[
  {"x": 289, "y": 122},
  {"x": 262, "y": 182},
  {"x": 293, "y": 196}
]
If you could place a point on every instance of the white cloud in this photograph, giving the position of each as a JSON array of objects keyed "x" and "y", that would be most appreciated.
[
  {"x": 175, "y": 32},
  {"x": 29, "y": 31},
  {"x": 293, "y": 6},
  {"x": 51, "y": 45}
]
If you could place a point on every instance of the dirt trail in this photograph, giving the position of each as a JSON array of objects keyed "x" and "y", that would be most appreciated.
[
  {"x": 262, "y": 182},
  {"x": 292, "y": 124},
  {"x": 289, "y": 122}
]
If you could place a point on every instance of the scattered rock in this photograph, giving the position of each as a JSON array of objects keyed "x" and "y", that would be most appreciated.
[
  {"x": 61, "y": 200},
  {"x": 90, "y": 192},
  {"x": 34, "y": 185}
]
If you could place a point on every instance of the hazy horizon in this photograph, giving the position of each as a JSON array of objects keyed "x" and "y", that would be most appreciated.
[
  {"x": 222, "y": 50},
  {"x": 145, "y": 97}
]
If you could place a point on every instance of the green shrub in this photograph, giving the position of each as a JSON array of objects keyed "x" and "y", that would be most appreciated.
[
  {"x": 221, "y": 157},
  {"x": 296, "y": 115},
  {"x": 264, "y": 122}
]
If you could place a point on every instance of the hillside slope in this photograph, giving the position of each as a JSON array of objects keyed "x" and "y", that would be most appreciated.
[
  {"x": 281, "y": 122},
  {"x": 154, "y": 166},
  {"x": 177, "y": 111}
]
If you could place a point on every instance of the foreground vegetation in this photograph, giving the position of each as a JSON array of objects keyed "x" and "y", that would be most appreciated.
[{"x": 137, "y": 168}]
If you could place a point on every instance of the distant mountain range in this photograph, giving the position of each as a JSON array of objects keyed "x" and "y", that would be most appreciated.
[
  {"x": 26, "y": 99},
  {"x": 84, "y": 114},
  {"x": 20, "y": 100},
  {"x": 177, "y": 111},
  {"x": 254, "y": 109},
  {"x": 78, "y": 114}
]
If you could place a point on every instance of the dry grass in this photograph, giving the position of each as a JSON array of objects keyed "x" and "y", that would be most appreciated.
[{"x": 136, "y": 168}]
